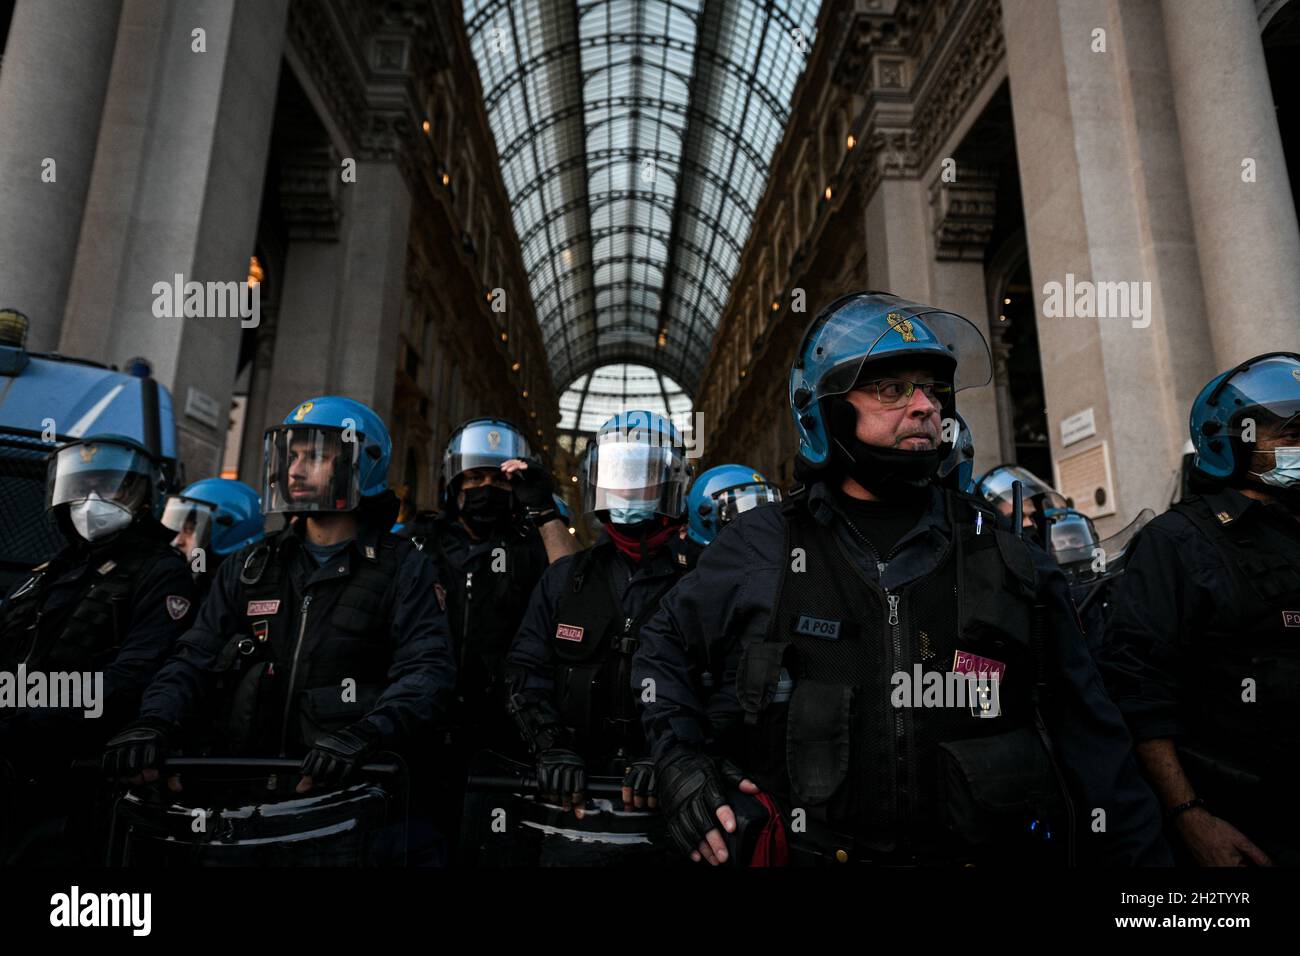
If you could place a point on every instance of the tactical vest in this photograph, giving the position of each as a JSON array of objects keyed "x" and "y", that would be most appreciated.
[
  {"x": 282, "y": 674},
  {"x": 893, "y": 776},
  {"x": 1250, "y": 648},
  {"x": 485, "y": 607},
  {"x": 86, "y": 636},
  {"x": 594, "y": 642}
]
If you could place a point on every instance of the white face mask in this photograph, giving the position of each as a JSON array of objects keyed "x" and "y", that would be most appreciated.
[
  {"x": 1285, "y": 472},
  {"x": 95, "y": 518}
]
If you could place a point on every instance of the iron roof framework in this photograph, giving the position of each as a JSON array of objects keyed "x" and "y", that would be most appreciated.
[{"x": 634, "y": 138}]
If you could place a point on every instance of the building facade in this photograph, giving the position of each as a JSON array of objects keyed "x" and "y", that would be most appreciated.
[
  {"x": 980, "y": 155},
  {"x": 334, "y": 153}
]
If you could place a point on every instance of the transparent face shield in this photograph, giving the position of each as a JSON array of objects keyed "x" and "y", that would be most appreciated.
[
  {"x": 191, "y": 520},
  {"x": 842, "y": 335},
  {"x": 310, "y": 469},
  {"x": 733, "y": 501},
  {"x": 109, "y": 472},
  {"x": 1071, "y": 533},
  {"x": 996, "y": 487},
  {"x": 1102, "y": 559},
  {"x": 622, "y": 474},
  {"x": 481, "y": 445}
]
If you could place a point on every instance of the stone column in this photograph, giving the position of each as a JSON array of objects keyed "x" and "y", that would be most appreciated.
[
  {"x": 1246, "y": 233},
  {"x": 962, "y": 213},
  {"x": 52, "y": 91},
  {"x": 1101, "y": 179},
  {"x": 177, "y": 190}
]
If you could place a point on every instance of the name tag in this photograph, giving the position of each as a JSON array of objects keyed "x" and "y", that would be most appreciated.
[
  {"x": 1291, "y": 618},
  {"x": 964, "y": 662},
  {"x": 567, "y": 632},
  {"x": 818, "y": 627},
  {"x": 263, "y": 607}
]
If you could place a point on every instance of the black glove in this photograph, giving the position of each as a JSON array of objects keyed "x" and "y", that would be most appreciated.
[
  {"x": 641, "y": 778},
  {"x": 142, "y": 745},
  {"x": 561, "y": 772},
  {"x": 533, "y": 487},
  {"x": 691, "y": 789},
  {"x": 334, "y": 758}
]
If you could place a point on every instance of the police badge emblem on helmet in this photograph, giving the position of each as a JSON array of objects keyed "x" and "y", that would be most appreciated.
[{"x": 902, "y": 326}]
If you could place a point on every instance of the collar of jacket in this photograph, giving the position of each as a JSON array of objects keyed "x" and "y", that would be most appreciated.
[
  {"x": 915, "y": 554},
  {"x": 365, "y": 543}
]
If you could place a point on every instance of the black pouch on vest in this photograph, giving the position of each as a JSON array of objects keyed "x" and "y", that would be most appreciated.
[
  {"x": 991, "y": 789},
  {"x": 251, "y": 709},
  {"x": 757, "y": 678},
  {"x": 322, "y": 710},
  {"x": 817, "y": 739}
]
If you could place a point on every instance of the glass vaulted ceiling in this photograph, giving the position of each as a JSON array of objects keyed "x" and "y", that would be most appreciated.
[{"x": 634, "y": 138}]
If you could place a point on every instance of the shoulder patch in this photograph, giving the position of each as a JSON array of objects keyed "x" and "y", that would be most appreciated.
[{"x": 177, "y": 606}]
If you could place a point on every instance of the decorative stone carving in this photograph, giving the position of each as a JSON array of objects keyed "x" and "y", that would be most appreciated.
[
  {"x": 964, "y": 213},
  {"x": 309, "y": 192},
  {"x": 981, "y": 48}
]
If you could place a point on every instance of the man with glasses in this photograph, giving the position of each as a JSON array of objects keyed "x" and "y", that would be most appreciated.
[{"x": 904, "y": 682}]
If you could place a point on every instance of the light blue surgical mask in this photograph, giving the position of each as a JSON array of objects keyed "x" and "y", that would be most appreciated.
[
  {"x": 627, "y": 510},
  {"x": 1285, "y": 472},
  {"x": 630, "y": 515}
]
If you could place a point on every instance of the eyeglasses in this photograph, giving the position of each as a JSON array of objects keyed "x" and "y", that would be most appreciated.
[{"x": 895, "y": 392}]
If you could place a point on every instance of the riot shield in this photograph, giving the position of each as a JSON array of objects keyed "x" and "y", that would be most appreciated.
[
  {"x": 506, "y": 823},
  {"x": 244, "y": 812}
]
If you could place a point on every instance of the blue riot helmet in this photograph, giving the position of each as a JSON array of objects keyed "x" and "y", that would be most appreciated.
[
  {"x": 1229, "y": 409},
  {"x": 219, "y": 515},
  {"x": 721, "y": 493},
  {"x": 995, "y": 486},
  {"x": 957, "y": 470},
  {"x": 327, "y": 455},
  {"x": 479, "y": 443},
  {"x": 847, "y": 342},
  {"x": 636, "y": 468},
  {"x": 106, "y": 481}
]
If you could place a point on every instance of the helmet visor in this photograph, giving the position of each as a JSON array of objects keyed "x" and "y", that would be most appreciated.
[
  {"x": 936, "y": 337},
  {"x": 996, "y": 487},
  {"x": 189, "y": 517},
  {"x": 1070, "y": 534},
  {"x": 481, "y": 445},
  {"x": 1271, "y": 383},
  {"x": 310, "y": 469},
  {"x": 114, "y": 472},
  {"x": 733, "y": 501},
  {"x": 1101, "y": 560},
  {"x": 624, "y": 474}
]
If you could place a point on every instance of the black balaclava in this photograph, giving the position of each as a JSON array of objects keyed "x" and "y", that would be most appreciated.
[{"x": 487, "y": 508}]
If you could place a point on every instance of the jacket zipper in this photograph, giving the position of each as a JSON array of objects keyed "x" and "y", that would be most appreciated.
[{"x": 293, "y": 675}]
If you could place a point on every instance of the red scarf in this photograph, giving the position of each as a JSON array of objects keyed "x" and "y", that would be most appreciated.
[{"x": 631, "y": 545}]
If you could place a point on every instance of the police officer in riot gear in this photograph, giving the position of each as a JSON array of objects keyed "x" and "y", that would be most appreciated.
[
  {"x": 717, "y": 496},
  {"x": 213, "y": 519},
  {"x": 325, "y": 640},
  {"x": 112, "y": 603},
  {"x": 498, "y": 531},
  {"x": 1092, "y": 565},
  {"x": 570, "y": 663},
  {"x": 1202, "y": 655},
  {"x": 827, "y": 608}
]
